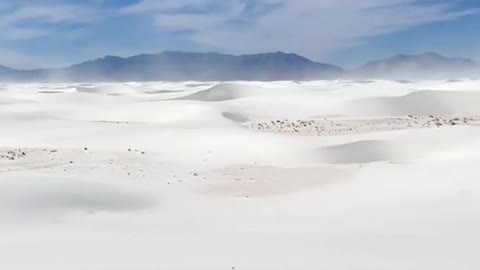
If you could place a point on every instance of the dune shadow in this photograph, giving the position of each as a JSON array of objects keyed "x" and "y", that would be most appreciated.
[
  {"x": 62, "y": 197},
  {"x": 235, "y": 117},
  {"x": 361, "y": 152}
]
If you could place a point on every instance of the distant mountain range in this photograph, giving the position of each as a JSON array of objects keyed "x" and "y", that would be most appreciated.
[
  {"x": 420, "y": 66},
  {"x": 179, "y": 66}
]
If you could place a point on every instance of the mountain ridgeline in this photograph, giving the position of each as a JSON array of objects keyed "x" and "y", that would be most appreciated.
[{"x": 181, "y": 66}]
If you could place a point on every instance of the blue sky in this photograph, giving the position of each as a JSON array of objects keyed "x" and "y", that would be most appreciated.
[{"x": 38, "y": 33}]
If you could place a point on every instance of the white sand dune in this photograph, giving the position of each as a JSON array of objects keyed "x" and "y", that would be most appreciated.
[
  {"x": 116, "y": 89},
  {"x": 421, "y": 103},
  {"x": 188, "y": 175},
  {"x": 223, "y": 92},
  {"x": 456, "y": 85}
]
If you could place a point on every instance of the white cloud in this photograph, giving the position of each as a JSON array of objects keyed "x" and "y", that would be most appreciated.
[{"x": 193, "y": 15}]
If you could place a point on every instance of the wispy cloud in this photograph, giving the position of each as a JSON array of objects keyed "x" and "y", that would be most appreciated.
[
  {"x": 26, "y": 20},
  {"x": 201, "y": 14},
  {"x": 311, "y": 27}
]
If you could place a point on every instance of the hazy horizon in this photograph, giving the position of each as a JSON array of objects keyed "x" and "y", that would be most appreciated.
[
  {"x": 56, "y": 33},
  {"x": 246, "y": 54},
  {"x": 277, "y": 66}
]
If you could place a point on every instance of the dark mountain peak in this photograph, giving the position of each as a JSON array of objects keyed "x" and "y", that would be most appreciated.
[
  {"x": 267, "y": 54},
  {"x": 279, "y": 54},
  {"x": 111, "y": 58},
  {"x": 106, "y": 58},
  {"x": 432, "y": 54},
  {"x": 174, "y": 53},
  {"x": 5, "y": 68}
]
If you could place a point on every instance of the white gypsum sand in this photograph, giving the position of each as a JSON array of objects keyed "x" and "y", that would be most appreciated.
[{"x": 247, "y": 175}]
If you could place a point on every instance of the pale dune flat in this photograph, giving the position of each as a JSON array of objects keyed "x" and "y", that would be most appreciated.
[{"x": 341, "y": 175}]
